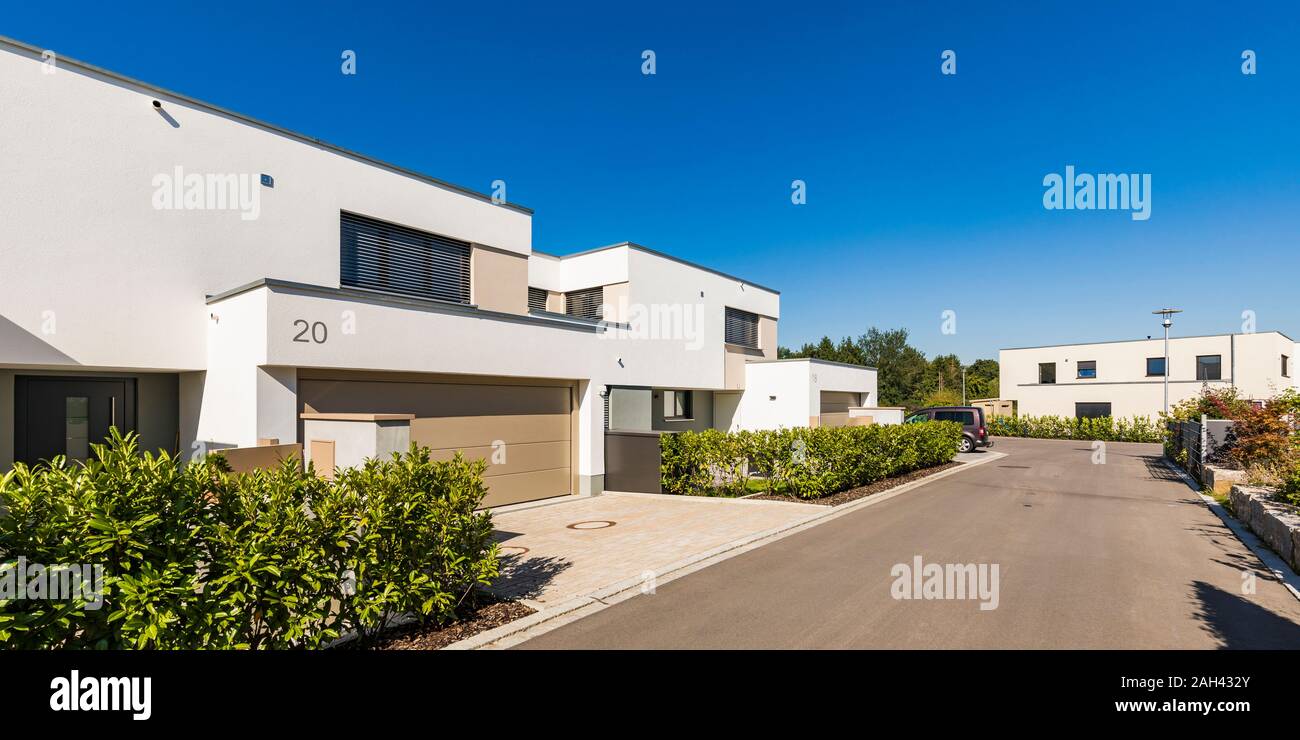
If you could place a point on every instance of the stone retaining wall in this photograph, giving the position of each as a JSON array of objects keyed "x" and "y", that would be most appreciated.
[{"x": 1276, "y": 524}]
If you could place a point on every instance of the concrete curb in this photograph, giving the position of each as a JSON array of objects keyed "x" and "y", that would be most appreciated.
[
  {"x": 520, "y": 630},
  {"x": 1271, "y": 560}
]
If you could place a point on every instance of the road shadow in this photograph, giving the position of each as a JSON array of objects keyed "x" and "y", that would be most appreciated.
[
  {"x": 525, "y": 577},
  {"x": 1158, "y": 470},
  {"x": 1239, "y": 624}
]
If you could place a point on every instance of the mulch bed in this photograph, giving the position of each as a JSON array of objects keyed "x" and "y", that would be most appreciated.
[
  {"x": 853, "y": 494},
  {"x": 489, "y": 614}
]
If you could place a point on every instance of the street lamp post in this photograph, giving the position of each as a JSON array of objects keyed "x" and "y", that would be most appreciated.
[{"x": 1166, "y": 321}]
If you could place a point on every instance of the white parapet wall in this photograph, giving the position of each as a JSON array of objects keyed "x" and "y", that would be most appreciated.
[{"x": 788, "y": 393}]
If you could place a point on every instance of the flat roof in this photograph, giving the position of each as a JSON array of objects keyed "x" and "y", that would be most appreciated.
[
  {"x": 69, "y": 61},
  {"x": 1148, "y": 339},
  {"x": 656, "y": 253},
  {"x": 812, "y": 359}
]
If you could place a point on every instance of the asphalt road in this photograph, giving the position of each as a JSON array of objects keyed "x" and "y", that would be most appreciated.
[{"x": 1114, "y": 555}]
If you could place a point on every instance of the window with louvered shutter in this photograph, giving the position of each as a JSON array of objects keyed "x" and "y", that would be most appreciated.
[
  {"x": 584, "y": 303},
  {"x": 741, "y": 328},
  {"x": 536, "y": 299},
  {"x": 377, "y": 255}
]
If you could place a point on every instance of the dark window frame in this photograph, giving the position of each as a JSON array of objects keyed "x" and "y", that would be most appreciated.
[
  {"x": 1080, "y": 405},
  {"x": 393, "y": 259},
  {"x": 588, "y": 303},
  {"x": 1286, "y": 366},
  {"x": 741, "y": 328},
  {"x": 1078, "y": 370},
  {"x": 1162, "y": 362},
  {"x": 1217, "y": 364},
  {"x": 1043, "y": 365},
  {"x": 533, "y": 295},
  {"x": 688, "y": 405}
]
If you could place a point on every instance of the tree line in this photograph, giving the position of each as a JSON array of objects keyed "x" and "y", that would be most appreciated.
[{"x": 906, "y": 377}]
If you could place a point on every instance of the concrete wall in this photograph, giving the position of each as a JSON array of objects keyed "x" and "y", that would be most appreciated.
[{"x": 1250, "y": 361}]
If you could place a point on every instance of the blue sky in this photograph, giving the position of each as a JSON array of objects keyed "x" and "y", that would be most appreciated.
[{"x": 924, "y": 190}]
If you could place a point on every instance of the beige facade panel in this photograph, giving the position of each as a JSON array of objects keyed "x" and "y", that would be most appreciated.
[
  {"x": 835, "y": 419},
  {"x": 263, "y": 457},
  {"x": 767, "y": 337},
  {"x": 735, "y": 358},
  {"x": 498, "y": 280},
  {"x": 322, "y": 457}
]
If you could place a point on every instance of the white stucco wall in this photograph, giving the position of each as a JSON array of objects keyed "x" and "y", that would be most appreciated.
[
  {"x": 126, "y": 282},
  {"x": 787, "y": 393},
  {"x": 1250, "y": 361}
]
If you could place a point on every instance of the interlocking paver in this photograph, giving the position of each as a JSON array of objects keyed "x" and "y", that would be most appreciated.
[{"x": 546, "y": 561}]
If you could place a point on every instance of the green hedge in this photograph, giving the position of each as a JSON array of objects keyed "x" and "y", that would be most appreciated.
[
  {"x": 194, "y": 556},
  {"x": 1106, "y": 428},
  {"x": 807, "y": 463}
]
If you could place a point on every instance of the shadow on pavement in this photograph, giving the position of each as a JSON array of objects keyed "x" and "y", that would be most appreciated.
[
  {"x": 524, "y": 577},
  {"x": 1239, "y": 624}
]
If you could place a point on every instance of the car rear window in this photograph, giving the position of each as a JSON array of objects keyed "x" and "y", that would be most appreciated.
[{"x": 961, "y": 417}]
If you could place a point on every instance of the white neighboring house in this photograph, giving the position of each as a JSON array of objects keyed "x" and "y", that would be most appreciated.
[
  {"x": 333, "y": 301},
  {"x": 1126, "y": 378}
]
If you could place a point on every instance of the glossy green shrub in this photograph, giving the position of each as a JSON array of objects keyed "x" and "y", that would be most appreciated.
[
  {"x": 196, "y": 557},
  {"x": 1106, "y": 428},
  {"x": 805, "y": 462}
]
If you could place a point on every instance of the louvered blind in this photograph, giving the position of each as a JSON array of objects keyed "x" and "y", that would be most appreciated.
[
  {"x": 741, "y": 328},
  {"x": 377, "y": 255},
  {"x": 536, "y": 299},
  {"x": 584, "y": 303}
]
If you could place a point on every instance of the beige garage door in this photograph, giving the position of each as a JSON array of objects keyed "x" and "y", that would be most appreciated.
[
  {"x": 523, "y": 431},
  {"x": 835, "y": 407}
]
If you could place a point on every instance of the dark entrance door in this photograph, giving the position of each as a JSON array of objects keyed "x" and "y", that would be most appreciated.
[{"x": 64, "y": 416}]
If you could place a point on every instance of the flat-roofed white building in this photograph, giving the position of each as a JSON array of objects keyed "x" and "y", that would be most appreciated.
[
  {"x": 1126, "y": 378},
  {"x": 213, "y": 282}
]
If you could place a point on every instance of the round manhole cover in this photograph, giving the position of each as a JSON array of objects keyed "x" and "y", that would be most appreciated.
[{"x": 594, "y": 524}]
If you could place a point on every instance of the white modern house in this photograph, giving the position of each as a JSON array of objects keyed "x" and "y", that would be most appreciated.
[
  {"x": 1127, "y": 378},
  {"x": 212, "y": 282}
]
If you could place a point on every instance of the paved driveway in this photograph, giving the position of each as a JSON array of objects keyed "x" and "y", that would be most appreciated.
[
  {"x": 558, "y": 551},
  {"x": 1114, "y": 555}
]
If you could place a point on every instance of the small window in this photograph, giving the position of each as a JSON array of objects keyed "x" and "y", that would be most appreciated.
[
  {"x": 1155, "y": 366},
  {"x": 916, "y": 418},
  {"x": 585, "y": 304},
  {"x": 1087, "y": 368},
  {"x": 1091, "y": 410},
  {"x": 1047, "y": 372},
  {"x": 1209, "y": 367},
  {"x": 536, "y": 299},
  {"x": 1286, "y": 366},
  {"x": 741, "y": 328},
  {"x": 76, "y": 427},
  {"x": 677, "y": 405}
]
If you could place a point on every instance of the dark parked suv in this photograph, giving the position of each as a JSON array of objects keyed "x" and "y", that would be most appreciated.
[{"x": 974, "y": 433}]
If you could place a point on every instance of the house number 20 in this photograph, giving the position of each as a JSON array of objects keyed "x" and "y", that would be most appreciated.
[{"x": 313, "y": 332}]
